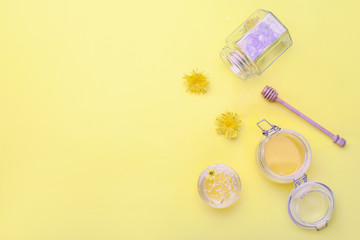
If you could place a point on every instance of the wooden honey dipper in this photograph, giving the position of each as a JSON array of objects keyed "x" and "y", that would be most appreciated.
[{"x": 270, "y": 94}]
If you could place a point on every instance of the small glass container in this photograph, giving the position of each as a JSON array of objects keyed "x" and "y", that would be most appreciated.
[
  {"x": 219, "y": 186},
  {"x": 284, "y": 156},
  {"x": 255, "y": 44}
]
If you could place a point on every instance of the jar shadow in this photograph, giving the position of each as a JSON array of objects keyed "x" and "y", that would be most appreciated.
[{"x": 284, "y": 188}]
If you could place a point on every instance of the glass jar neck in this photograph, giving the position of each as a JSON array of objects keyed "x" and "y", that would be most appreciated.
[{"x": 238, "y": 62}]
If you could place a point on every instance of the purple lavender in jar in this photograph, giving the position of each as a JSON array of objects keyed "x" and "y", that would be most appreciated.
[
  {"x": 261, "y": 36},
  {"x": 255, "y": 44}
]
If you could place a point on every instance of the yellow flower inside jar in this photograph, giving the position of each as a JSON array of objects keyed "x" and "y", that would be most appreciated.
[{"x": 219, "y": 186}]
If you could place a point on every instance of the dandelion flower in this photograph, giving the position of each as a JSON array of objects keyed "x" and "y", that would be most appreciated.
[
  {"x": 211, "y": 174},
  {"x": 196, "y": 82},
  {"x": 228, "y": 124}
]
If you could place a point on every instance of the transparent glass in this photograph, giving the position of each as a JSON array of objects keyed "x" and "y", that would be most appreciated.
[
  {"x": 269, "y": 172},
  {"x": 311, "y": 205},
  {"x": 255, "y": 44},
  {"x": 219, "y": 186},
  {"x": 284, "y": 155}
]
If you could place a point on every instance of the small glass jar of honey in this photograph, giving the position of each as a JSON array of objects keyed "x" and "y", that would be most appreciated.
[
  {"x": 219, "y": 186},
  {"x": 284, "y": 156}
]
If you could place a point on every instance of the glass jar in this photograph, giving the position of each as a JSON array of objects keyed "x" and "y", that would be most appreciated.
[
  {"x": 219, "y": 186},
  {"x": 255, "y": 44},
  {"x": 284, "y": 156}
]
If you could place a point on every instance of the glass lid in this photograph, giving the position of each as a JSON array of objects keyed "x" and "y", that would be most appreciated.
[{"x": 311, "y": 204}]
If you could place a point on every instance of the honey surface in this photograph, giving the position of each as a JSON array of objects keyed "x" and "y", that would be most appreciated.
[{"x": 284, "y": 154}]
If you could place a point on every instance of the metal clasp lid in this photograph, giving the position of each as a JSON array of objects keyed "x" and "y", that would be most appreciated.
[
  {"x": 300, "y": 180},
  {"x": 321, "y": 228},
  {"x": 273, "y": 129}
]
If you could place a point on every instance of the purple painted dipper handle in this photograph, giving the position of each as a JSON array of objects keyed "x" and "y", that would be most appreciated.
[{"x": 270, "y": 94}]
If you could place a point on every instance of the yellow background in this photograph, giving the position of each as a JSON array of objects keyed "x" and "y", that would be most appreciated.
[{"x": 100, "y": 140}]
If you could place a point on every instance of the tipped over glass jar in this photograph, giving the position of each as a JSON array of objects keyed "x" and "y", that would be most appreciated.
[{"x": 255, "y": 44}]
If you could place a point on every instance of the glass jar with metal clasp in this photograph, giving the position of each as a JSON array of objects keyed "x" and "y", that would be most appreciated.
[{"x": 284, "y": 155}]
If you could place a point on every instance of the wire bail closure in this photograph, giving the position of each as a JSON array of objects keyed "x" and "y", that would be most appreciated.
[
  {"x": 303, "y": 179},
  {"x": 273, "y": 128},
  {"x": 321, "y": 228}
]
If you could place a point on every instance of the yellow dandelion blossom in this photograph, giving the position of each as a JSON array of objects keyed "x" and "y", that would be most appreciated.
[
  {"x": 228, "y": 124},
  {"x": 196, "y": 82},
  {"x": 211, "y": 174}
]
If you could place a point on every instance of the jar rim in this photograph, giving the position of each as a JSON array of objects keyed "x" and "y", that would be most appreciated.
[{"x": 238, "y": 62}]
